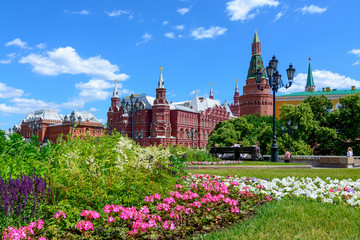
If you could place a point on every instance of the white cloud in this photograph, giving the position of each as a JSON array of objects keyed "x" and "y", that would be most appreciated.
[
  {"x": 5, "y": 109},
  {"x": 9, "y": 59},
  {"x": 17, "y": 42},
  {"x": 146, "y": 37},
  {"x": 169, "y": 35},
  {"x": 183, "y": 11},
  {"x": 180, "y": 27},
  {"x": 165, "y": 23},
  {"x": 322, "y": 78},
  {"x": 93, "y": 109},
  {"x": 28, "y": 103},
  {"x": 95, "y": 83},
  {"x": 9, "y": 92},
  {"x": 116, "y": 13},
  {"x": 243, "y": 9},
  {"x": 312, "y": 9},
  {"x": 212, "y": 32},
  {"x": 66, "y": 60},
  {"x": 41, "y": 45},
  {"x": 82, "y": 12},
  {"x": 279, "y": 15},
  {"x": 355, "y": 51}
]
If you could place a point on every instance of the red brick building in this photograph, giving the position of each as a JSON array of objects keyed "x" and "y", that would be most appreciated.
[
  {"x": 253, "y": 100},
  {"x": 156, "y": 121},
  {"x": 189, "y": 123},
  {"x": 48, "y": 125}
]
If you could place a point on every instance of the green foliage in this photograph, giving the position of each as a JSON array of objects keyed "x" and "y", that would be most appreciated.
[
  {"x": 92, "y": 172},
  {"x": 320, "y": 107},
  {"x": 89, "y": 172},
  {"x": 346, "y": 121}
]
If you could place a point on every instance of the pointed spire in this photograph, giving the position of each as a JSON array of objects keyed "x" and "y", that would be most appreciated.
[
  {"x": 161, "y": 80},
  {"x": 211, "y": 92},
  {"x": 115, "y": 92},
  {"x": 256, "y": 38},
  {"x": 236, "y": 86},
  {"x": 310, "y": 86}
]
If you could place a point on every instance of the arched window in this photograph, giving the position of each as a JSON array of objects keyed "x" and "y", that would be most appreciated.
[
  {"x": 167, "y": 133},
  {"x": 153, "y": 133}
]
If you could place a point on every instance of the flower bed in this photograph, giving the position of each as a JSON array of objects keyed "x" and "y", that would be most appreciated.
[
  {"x": 200, "y": 204},
  {"x": 214, "y": 163},
  {"x": 329, "y": 190}
]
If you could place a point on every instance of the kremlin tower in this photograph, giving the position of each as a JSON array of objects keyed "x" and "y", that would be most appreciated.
[{"x": 253, "y": 100}]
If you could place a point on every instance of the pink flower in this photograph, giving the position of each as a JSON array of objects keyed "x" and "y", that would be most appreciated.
[
  {"x": 169, "y": 200},
  {"x": 59, "y": 214},
  {"x": 346, "y": 188},
  {"x": 111, "y": 219},
  {"x": 169, "y": 224},
  {"x": 234, "y": 210},
  {"x": 90, "y": 214},
  {"x": 133, "y": 233},
  {"x": 269, "y": 198},
  {"x": 331, "y": 190},
  {"x": 109, "y": 208},
  {"x": 84, "y": 225},
  {"x": 178, "y": 186},
  {"x": 41, "y": 238}
]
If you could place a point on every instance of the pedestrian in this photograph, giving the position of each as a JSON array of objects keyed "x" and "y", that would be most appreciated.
[
  {"x": 350, "y": 152},
  {"x": 287, "y": 153}
]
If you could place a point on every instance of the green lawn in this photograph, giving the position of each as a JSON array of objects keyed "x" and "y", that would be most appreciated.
[
  {"x": 343, "y": 173},
  {"x": 296, "y": 219}
]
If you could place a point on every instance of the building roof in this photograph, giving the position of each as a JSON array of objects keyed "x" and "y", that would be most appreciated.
[
  {"x": 85, "y": 116},
  {"x": 44, "y": 114},
  {"x": 256, "y": 38},
  {"x": 310, "y": 78},
  {"x": 319, "y": 93}
]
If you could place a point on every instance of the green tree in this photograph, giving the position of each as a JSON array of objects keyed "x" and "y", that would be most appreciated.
[
  {"x": 320, "y": 107},
  {"x": 346, "y": 121}
]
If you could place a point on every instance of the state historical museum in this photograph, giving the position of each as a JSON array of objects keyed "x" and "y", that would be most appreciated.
[{"x": 153, "y": 120}]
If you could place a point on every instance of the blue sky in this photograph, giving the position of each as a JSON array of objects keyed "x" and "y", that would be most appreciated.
[{"x": 65, "y": 54}]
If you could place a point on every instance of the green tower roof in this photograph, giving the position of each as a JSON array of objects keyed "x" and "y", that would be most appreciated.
[
  {"x": 256, "y": 38},
  {"x": 256, "y": 62},
  {"x": 310, "y": 79}
]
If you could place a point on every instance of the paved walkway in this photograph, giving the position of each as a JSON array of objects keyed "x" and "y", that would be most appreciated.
[{"x": 248, "y": 167}]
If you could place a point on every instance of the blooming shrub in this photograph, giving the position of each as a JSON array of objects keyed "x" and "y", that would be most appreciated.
[{"x": 200, "y": 204}]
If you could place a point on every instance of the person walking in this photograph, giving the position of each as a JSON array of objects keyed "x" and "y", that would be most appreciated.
[
  {"x": 350, "y": 152},
  {"x": 287, "y": 153}
]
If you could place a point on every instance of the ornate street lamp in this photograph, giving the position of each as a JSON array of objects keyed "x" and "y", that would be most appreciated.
[
  {"x": 192, "y": 134},
  {"x": 275, "y": 83},
  {"x": 291, "y": 128},
  {"x": 134, "y": 106}
]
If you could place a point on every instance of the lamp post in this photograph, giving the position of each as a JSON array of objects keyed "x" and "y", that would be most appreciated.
[
  {"x": 191, "y": 134},
  {"x": 289, "y": 130},
  {"x": 73, "y": 121},
  {"x": 35, "y": 128},
  {"x": 275, "y": 83},
  {"x": 132, "y": 107}
]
